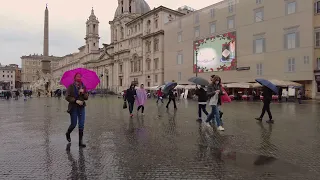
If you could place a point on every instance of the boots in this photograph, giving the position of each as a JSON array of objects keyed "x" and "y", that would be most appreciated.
[
  {"x": 68, "y": 135},
  {"x": 80, "y": 138}
]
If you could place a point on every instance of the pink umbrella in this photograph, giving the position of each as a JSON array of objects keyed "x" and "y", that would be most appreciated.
[{"x": 89, "y": 78}]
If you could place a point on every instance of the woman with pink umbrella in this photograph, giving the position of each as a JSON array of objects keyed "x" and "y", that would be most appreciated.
[{"x": 78, "y": 82}]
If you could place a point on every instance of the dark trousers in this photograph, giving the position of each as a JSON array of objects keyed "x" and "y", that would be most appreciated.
[
  {"x": 299, "y": 100},
  {"x": 266, "y": 107},
  {"x": 130, "y": 104},
  {"x": 142, "y": 108},
  {"x": 77, "y": 115},
  {"x": 202, "y": 107},
  {"x": 174, "y": 102},
  {"x": 161, "y": 99}
]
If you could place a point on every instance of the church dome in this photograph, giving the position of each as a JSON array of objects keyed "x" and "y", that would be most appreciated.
[{"x": 137, "y": 7}]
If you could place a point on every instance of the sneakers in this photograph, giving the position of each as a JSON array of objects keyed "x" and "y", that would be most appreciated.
[
  {"x": 142, "y": 114},
  {"x": 220, "y": 128},
  {"x": 131, "y": 115},
  {"x": 258, "y": 119}
]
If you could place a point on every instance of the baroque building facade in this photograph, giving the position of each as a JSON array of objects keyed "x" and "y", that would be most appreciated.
[
  {"x": 88, "y": 52},
  {"x": 136, "y": 51}
]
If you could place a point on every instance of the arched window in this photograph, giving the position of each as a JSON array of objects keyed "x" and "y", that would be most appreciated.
[
  {"x": 121, "y": 6},
  {"x": 122, "y": 32},
  {"x": 130, "y": 5}
]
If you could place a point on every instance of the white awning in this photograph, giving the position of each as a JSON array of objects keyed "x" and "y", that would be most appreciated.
[{"x": 239, "y": 85}]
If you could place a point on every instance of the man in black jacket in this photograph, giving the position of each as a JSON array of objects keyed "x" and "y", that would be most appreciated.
[
  {"x": 202, "y": 101},
  {"x": 172, "y": 98},
  {"x": 267, "y": 98}
]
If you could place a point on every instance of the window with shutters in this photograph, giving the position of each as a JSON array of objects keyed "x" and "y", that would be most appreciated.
[
  {"x": 230, "y": 6},
  {"x": 306, "y": 59},
  {"x": 258, "y": 15},
  {"x": 259, "y": 46},
  {"x": 291, "y": 65},
  {"x": 179, "y": 37},
  {"x": 291, "y": 40},
  {"x": 212, "y": 13},
  {"x": 155, "y": 78},
  {"x": 231, "y": 22},
  {"x": 148, "y": 64},
  {"x": 317, "y": 37},
  {"x": 197, "y": 32},
  {"x": 259, "y": 1},
  {"x": 317, "y": 7},
  {"x": 179, "y": 58},
  {"x": 156, "y": 63},
  {"x": 291, "y": 7},
  {"x": 212, "y": 27},
  {"x": 259, "y": 69},
  {"x": 318, "y": 63},
  {"x": 196, "y": 18}
]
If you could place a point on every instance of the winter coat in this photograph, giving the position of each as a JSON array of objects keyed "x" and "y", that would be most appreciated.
[{"x": 202, "y": 95}]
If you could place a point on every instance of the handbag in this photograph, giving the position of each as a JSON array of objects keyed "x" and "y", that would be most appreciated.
[{"x": 125, "y": 105}]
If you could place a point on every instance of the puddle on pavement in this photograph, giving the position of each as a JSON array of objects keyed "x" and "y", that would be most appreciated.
[{"x": 259, "y": 163}]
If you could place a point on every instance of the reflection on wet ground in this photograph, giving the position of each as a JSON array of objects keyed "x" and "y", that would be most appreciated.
[{"x": 163, "y": 144}]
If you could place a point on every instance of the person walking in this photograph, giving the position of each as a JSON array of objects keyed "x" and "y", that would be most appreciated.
[
  {"x": 202, "y": 102},
  {"x": 267, "y": 98},
  {"x": 160, "y": 95},
  {"x": 141, "y": 98},
  {"x": 299, "y": 96},
  {"x": 172, "y": 98},
  {"x": 17, "y": 95},
  {"x": 214, "y": 94},
  {"x": 76, "y": 95},
  {"x": 130, "y": 97}
]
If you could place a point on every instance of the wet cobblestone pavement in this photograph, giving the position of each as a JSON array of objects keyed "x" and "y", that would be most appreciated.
[{"x": 161, "y": 145}]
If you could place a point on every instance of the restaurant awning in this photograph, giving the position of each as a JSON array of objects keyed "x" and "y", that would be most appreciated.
[{"x": 239, "y": 85}]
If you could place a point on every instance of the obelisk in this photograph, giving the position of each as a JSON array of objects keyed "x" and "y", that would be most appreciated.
[{"x": 45, "y": 63}]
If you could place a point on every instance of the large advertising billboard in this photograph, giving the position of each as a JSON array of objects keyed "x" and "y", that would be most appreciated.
[{"x": 216, "y": 53}]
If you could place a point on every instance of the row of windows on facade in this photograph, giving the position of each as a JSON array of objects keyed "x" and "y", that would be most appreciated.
[
  {"x": 136, "y": 65},
  {"x": 137, "y": 80},
  {"x": 291, "y": 65},
  {"x": 34, "y": 63},
  {"x": 137, "y": 43},
  {"x": 135, "y": 29},
  {"x": 291, "y": 41},
  {"x": 7, "y": 71},
  {"x": 8, "y": 76},
  {"x": 290, "y": 9},
  {"x": 258, "y": 17}
]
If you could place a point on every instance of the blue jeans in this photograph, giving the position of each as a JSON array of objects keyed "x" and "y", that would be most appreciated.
[
  {"x": 159, "y": 99},
  {"x": 214, "y": 114},
  {"x": 130, "y": 104},
  {"x": 77, "y": 114}
]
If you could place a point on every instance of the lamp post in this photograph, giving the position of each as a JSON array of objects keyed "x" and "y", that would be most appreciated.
[{"x": 196, "y": 63}]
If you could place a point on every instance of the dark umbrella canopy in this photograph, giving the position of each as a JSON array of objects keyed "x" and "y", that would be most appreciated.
[
  {"x": 268, "y": 84},
  {"x": 199, "y": 80},
  {"x": 169, "y": 86}
]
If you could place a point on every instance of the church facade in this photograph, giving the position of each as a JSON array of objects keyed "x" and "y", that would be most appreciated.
[{"x": 136, "y": 52}]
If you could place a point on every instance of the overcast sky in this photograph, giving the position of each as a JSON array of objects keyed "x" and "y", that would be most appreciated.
[{"x": 21, "y": 24}]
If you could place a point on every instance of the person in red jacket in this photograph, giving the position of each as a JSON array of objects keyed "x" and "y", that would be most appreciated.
[{"x": 160, "y": 95}]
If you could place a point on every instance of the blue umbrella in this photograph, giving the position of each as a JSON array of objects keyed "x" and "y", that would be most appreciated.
[
  {"x": 169, "y": 86},
  {"x": 199, "y": 80},
  {"x": 268, "y": 84}
]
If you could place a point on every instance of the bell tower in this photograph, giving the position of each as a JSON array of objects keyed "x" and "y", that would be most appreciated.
[{"x": 92, "y": 34}]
